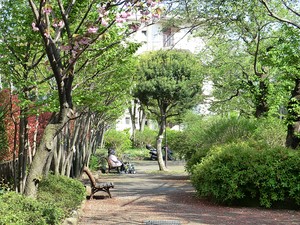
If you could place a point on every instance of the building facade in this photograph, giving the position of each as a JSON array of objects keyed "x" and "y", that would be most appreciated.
[{"x": 155, "y": 37}]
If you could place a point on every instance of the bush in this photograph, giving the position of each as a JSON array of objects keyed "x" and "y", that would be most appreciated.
[
  {"x": 61, "y": 191},
  {"x": 57, "y": 197},
  {"x": 17, "y": 209},
  {"x": 119, "y": 140},
  {"x": 147, "y": 136},
  {"x": 249, "y": 170},
  {"x": 202, "y": 135},
  {"x": 94, "y": 162},
  {"x": 135, "y": 154},
  {"x": 173, "y": 141}
]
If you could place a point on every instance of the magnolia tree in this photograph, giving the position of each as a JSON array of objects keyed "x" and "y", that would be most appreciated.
[{"x": 75, "y": 35}]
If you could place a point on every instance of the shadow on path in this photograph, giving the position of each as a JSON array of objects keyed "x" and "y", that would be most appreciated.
[{"x": 151, "y": 196}]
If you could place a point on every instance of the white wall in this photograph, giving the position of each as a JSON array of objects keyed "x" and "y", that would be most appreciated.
[{"x": 152, "y": 39}]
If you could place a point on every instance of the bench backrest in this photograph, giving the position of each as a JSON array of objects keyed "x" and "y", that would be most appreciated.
[{"x": 90, "y": 175}]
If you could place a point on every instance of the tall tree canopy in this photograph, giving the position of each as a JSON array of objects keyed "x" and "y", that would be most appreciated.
[
  {"x": 170, "y": 83},
  {"x": 252, "y": 28},
  {"x": 72, "y": 39}
]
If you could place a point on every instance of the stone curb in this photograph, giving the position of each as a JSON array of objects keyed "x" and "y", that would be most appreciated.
[{"x": 74, "y": 218}]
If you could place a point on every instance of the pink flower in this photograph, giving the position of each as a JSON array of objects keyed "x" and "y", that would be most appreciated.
[
  {"x": 47, "y": 10},
  {"x": 61, "y": 23},
  {"x": 47, "y": 34},
  {"x": 92, "y": 30},
  {"x": 84, "y": 41},
  {"x": 102, "y": 12},
  {"x": 124, "y": 15},
  {"x": 65, "y": 47},
  {"x": 156, "y": 15},
  {"x": 120, "y": 19},
  {"x": 34, "y": 27},
  {"x": 104, "y": 22}
]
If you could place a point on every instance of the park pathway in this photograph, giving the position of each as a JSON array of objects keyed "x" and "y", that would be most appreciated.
[{"x": 149, "y": 197}]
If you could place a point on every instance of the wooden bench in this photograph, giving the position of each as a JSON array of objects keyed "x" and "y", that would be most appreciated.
[{"x": 95, "y": 187}]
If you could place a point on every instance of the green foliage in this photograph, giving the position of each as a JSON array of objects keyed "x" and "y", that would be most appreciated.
[
  {"x": 272, "y": 131},
  {"x": 94, "y": 162},
  {"x": 147, "y": 136},
  {"x": 249, "y": 170},
  {"x": 61, "y": 191},
  {"x": 136, "y": 154},
  {"x": 119, "y": 140},
  {"x": 169, "y": 82},
  {"x": 17, "y": 209},
  {"x": 173, "y": 137},
  {"x": 5, "y": 186},
  {"x": 201, "y": 135}
]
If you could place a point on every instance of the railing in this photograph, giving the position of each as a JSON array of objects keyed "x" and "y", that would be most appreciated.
[{"x": 7, "y": 170}]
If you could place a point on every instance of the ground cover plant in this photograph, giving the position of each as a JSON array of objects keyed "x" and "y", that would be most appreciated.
[{"x": 57, "y": 197}]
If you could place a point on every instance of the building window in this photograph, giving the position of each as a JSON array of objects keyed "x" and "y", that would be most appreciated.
[
  {"x": 168, "y": 38},
  {"x": 127, "y": 120}
]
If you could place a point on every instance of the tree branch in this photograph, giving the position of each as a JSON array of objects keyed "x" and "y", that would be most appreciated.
[{"x": 272, "y": 14}]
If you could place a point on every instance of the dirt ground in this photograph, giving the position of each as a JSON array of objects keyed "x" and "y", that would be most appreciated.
[{"x": 149, "y": 197}]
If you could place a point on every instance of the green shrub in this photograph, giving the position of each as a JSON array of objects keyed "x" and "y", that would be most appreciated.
[
  {"x": 136, "y": 154},
  {"x": 173, "y": 140},
  {"x": 119, "y": 140},
  {"x": 271, "y": 131},
  {"x": 147, "y": 136},
  {"x": 17, "y": 209},
  {"x": 61, "y": 191},
  {"x": 204, "y": 134},
  {"x": 249, "y": 170},
  {"x": 94, "y": 162}
]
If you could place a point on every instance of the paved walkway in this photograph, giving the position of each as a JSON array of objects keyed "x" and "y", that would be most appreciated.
[{"x": 149, "y": 197}]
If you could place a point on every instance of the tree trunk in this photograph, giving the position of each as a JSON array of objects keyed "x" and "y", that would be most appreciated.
[
  {"x": 262, "y": 108},
  {"x": 293, "y": 118},
  {"x": 159, "y": 140},
  {"x": 132, "y": 113},
  {"x": 142, "y": 118},
  {"x": 40, "y": 159}
]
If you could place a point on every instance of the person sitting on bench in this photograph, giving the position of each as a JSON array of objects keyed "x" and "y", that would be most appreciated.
[{"x": 114, "y": 161}]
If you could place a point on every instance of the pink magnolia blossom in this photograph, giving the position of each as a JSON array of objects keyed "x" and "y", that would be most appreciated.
[
  {"x": 124, "y": 15},
  {"x": 34, "y": 27},
  {"x": 92, "y": 30},
  {"x": 47, "y": 34},
  {"x": 120, "y": 19},
  {"x": 104, "y": 22},
  {"x": 102, "y": 12},
  {"x": 65, "y": 47},
  {"x": 156, "y": 15},
  {"x": 61, "y": 23},
  {"x": 84, "y": 41},
  {"x": 47, "y": 10}
]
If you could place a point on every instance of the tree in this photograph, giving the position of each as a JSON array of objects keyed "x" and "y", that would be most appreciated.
[
  {"x": 170, "y": 83},
  {"x": 287, "y": 12},
  {"x": 74, "y": 35}
]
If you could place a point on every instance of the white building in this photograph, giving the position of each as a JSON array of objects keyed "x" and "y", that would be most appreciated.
[{"x": 155, "y": 37}]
